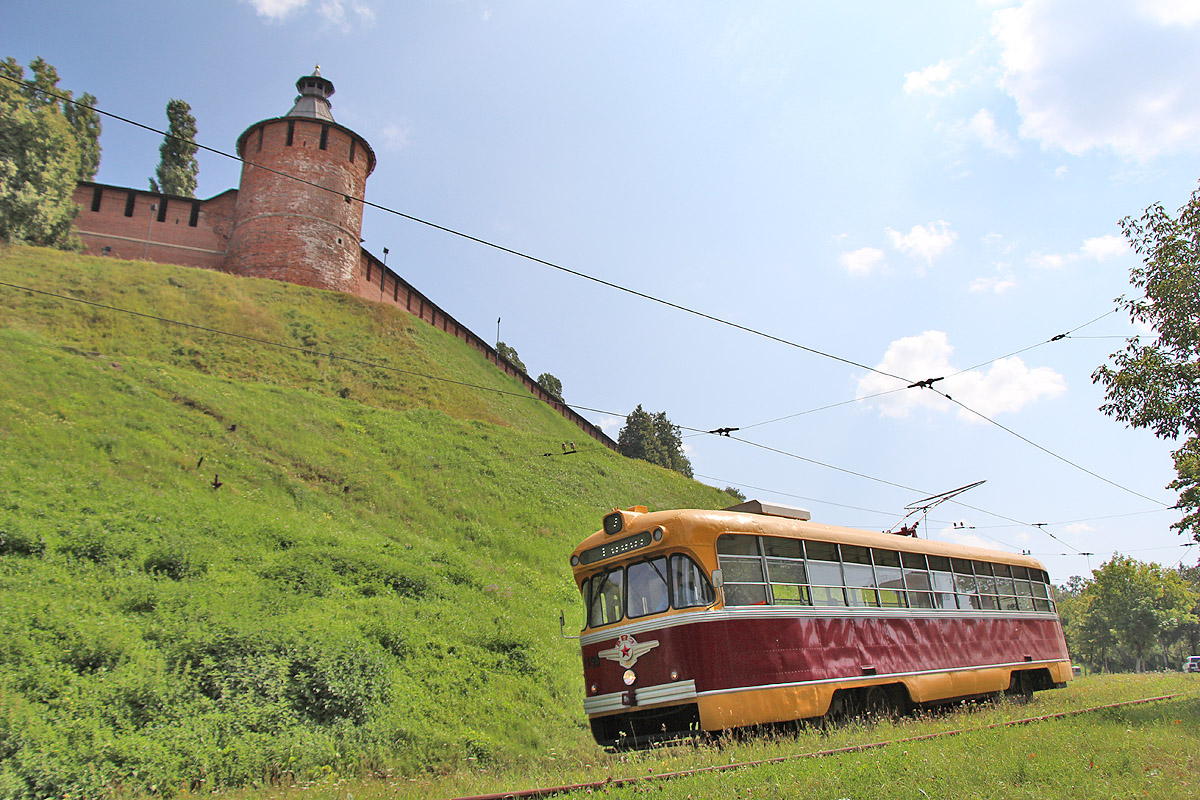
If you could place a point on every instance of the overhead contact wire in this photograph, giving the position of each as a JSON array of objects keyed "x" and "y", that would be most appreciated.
[{"x": 473, "y": 238}]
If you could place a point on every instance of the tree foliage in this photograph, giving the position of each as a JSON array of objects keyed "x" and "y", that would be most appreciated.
[
  {"x": 1156, "y": 384},
  {"x": 652, "y": 437},
  {"x": 177, "y": 167},
  {"x": 1129, "y": 608},
  {"x": 509, "y": 354},
  {"x": 551, "y": 384},
  {"x": 47, "y": 144}
]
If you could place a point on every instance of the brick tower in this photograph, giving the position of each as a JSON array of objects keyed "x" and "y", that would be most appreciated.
[{"x": 288, "y": 229}]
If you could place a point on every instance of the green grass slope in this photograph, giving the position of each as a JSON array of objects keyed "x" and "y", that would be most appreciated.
[{"x": 373, "y": 585}]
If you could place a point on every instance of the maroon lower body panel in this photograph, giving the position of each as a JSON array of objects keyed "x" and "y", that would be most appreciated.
[{"x": 728, "y": 650}]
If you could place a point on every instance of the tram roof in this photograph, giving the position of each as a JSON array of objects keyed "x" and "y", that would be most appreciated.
[{"x": 767, "y": 523}]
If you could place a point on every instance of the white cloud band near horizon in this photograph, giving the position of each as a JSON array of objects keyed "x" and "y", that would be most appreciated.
[{"x": 1007, "y": 386}]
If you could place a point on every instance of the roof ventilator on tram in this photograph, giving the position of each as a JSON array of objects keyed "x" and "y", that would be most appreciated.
[{"x": 771, "y": 510}]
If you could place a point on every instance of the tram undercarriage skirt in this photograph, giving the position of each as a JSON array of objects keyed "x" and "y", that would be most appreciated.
[{"x": 642, "y": 728}]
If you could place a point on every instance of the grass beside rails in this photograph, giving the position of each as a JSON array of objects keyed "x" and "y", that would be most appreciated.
[
  {"x": 1150, "y": 750},
  {"x": 219, "y": 568}
]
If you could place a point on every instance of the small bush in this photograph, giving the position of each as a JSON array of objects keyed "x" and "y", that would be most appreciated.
[
  {"x": 172, "y": 562},
  {"x": 332, "y": 680},
  {"x": 19, "y": 543}
]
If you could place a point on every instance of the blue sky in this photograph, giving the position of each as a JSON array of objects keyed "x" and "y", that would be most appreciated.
[{"x": 918, "y": 188}]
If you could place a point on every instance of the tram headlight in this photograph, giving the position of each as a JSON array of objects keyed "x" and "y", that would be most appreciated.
[
  {"x": 674, "y": 674},
  {"x": 658, "y": 534},
  {"x": 594, "y": 688},
  {"x": 629, "y": 677},
  {"x": 574, "y": 561}
]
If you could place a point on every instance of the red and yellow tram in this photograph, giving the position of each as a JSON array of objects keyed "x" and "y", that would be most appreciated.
[{"x": 710, "y": 620}]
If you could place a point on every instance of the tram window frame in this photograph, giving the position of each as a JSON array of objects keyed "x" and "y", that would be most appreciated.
[
  {"x": 736, "y": 551},
  {"x": 620, "y": 600},
  {"x": 823, "y": 562},
  {"x": 785, "y": 588},
  {"x": 706, "y": 596},
  {"x": 888, "y": 573},
  {"x": 651, "y": 570},
  {"x": 828, "y": 574},
  {"x": 917, "y": 584},
  {"x": 943, "y": 589}
]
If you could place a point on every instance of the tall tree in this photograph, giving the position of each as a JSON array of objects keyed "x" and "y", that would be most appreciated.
[
  {"x": 177, "y": 167},
  {"x": 1143, "y": 605},
  {"x": 1156, "y": 384},
  {"x": 509, "y": 354},
  {"x": 653, "y": 438},
  {"x": 47, "y": 144},
  {"x": 551, "y": 384}
]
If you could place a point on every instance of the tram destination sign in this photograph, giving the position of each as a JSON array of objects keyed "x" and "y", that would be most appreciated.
[{"x": 610, "y": 549}]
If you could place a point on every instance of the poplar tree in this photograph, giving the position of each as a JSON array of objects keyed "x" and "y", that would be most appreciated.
[
  {"x": 177, "y": 168},
  {"x": 653, "y": 438},
  {"x": 47, "y": 144}
]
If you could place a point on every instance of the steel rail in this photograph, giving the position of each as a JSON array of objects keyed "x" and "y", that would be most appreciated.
[{"x": 547, "y": 791}]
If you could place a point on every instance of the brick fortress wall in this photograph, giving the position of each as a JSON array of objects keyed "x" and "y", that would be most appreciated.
[
  {"x": 149, "y": 226},
  {"x": 285, "y": 227},
  {"x": 274, "y": 226}
]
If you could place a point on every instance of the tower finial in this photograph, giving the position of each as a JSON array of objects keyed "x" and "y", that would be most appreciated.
[{"x": 317, "y": 70}]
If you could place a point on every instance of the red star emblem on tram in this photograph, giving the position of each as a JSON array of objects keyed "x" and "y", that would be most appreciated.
[{"x": 627, "y": 650}]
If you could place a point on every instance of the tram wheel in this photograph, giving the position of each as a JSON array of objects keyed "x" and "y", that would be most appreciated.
[
  {"x": 876, "y": 703},
  {"x": 1020, "y": 688}
]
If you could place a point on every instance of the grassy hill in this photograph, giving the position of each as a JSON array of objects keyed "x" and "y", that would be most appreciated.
[{"x": 223, "y": 560}]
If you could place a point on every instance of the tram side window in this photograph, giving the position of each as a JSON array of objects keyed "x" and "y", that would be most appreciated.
[
  {"x": 1041, "y": 597},
  {"x": 916, "y": 580},
  {"x": 788, "y": 580},
  {"x": 689, "y": 587},
  {"x": 943, "y": 582},
  {"x": 1005, "y": 587},
  {"x": 889, "y": 578},
  {"x": 860, "y": 578},
  {"x": 605, "y": 605},
  {"x": 825, "y": 574},
  {"x": 647, "y": 589},
  {"x": 964, "y": 584},
  {"x": 742, "y": 570}
]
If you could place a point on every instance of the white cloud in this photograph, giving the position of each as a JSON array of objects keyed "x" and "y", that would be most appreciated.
[
  {"x": 1115, "y": 76},
  {"x": 610, "y": 424},
  {"x": 275, "y": 9},
  {"x": 1099, "y": 248},
  {"x": 1171, "y": 12},
  {"x": 1001, "y": 282},
  {"x": 1076, "y": 528},
  {"x": 397, "y": 135},
  {"x": 1104, "y": 247},
  {"x": 863, "y": 261},
  {"x": 334, "y": 11},
  {"x": 1007, "y": 386},
  {"x": 923, "y": 242},
  {"x": 936, "y": 79},
  {"x": 964, "y": 536},
  {"x": 982, "y": 127}
]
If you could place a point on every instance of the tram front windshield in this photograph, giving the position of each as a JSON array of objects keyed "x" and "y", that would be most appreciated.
[{"x": 645, "y": 587}]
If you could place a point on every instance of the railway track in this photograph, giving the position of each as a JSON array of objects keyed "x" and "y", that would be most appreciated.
[{"x": 548, "y": 791}]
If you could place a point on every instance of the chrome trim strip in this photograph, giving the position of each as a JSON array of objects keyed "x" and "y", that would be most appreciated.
[
  {"x": 646, "y": 696},
  {"x": 876, "y": 678},
  {"x": 801, "y": 612}
]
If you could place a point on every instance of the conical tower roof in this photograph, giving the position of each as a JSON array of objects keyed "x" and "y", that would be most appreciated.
[{"x": 313, "y": 100}]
